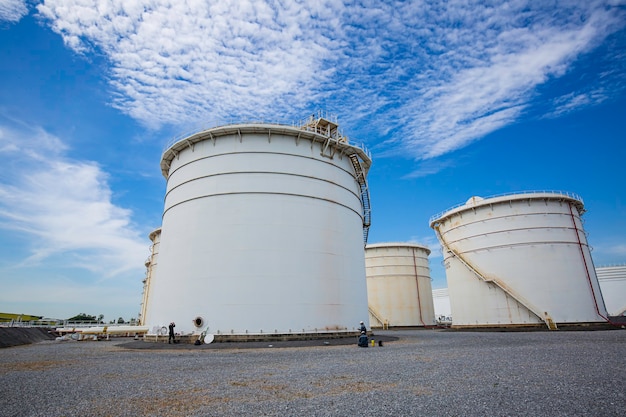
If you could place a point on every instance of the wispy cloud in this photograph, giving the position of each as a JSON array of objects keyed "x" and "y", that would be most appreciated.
[
  {"x": 617, "y": 249},
  {"x": 181, "y": 61},
  {"x": 12, "y": 10},
  {"x": 491, "y": 62},
  {"x": 439, "y": 74},
  {"x": 430, "y": 242},
  {"x": 428, "y": 167},
  {"x": 66, "y": 204}
]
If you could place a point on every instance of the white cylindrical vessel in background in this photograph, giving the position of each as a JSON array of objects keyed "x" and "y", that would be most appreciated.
[
  {"x": 399, "y": 290},
  {"x": 441, "y": 302},
  {"x": 519, "y": 259},
  {"x": 263, "y": 231},
  {"x": 612, "y": 281}
]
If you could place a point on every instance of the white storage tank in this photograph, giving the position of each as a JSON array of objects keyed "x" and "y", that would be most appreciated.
[
  {"x": 612, "y": 281},
  {"x": 151, "y": 268},
  {"x": 263, "y": 231},
  {"x": 399, "y": 290},
  {"x": 441, "y": 302},
  {"x": 519, "y": 259}
]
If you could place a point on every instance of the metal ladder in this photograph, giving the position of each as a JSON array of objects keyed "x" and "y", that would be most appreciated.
[{"x": 365, "y": 195}]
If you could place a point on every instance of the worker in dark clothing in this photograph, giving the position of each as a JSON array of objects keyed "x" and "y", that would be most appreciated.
[
  {"x": 172, "y": 338},
  {"x": 363, "y": 341},
  {"x": 363, "y": 328}
]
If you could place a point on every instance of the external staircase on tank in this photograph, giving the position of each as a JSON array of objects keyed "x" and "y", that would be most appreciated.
[
  {"x": 326, "y": 124},
  {"x": 383, "y": 322},
  {"x": 365, "y": 195},
  {"x": 541, "y": 315}
]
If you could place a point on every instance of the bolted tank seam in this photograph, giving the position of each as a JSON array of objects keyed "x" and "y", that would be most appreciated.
[
  {"x": 262, "y": 193},
  {"x": 261, "y": 172},
  {"x": 290, "y": 155}
]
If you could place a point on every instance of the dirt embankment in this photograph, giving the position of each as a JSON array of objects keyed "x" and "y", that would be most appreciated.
[{"x": 16, "y": 336}]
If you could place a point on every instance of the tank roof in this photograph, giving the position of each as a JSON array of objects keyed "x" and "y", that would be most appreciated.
[
  {"x": 477, "y": 201},
  {"x": 397, "y": 245},
  {"x": 318, "y": 130}
]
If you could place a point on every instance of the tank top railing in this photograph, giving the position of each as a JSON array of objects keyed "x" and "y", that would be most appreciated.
[{"x": 566, "y": 194}]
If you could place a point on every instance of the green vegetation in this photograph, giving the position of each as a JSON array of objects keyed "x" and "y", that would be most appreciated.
[
  {"x": 82, "y": 317},
  {"x": 8, "y": 317}
]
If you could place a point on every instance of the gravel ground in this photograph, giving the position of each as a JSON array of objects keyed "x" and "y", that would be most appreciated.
[{"x": 423, "y": 372}]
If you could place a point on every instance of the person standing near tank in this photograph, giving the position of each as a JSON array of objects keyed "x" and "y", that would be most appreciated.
[
  {"x": 172, "y": 338},
  {"x": 362, "y": 328}
]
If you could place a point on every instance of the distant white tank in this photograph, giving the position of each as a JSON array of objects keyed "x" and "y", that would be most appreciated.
[
  {"x": 399, "y": 291},
  {"x": 151, "y": 268},
  {"x": 612, "y": 281},
  {"x": 520, "y": 259},
  {"x": 441, "y": 302},
  {"x": 263, "y": 231}
]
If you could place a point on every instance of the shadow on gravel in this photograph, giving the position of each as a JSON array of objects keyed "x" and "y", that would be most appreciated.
[{"x": 140, "y": 344}]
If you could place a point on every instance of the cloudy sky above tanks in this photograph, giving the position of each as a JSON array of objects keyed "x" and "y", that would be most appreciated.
[{"x": 453, "y": 99}]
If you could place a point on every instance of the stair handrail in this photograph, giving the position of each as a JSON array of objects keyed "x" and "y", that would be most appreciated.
[{"x": 545, "y": 317}]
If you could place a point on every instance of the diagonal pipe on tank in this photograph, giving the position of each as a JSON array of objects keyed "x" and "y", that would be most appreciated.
[
  {"x": 582, "y": 254},
  {"x": 417, "y": 286},
  {"x": 545, "y": 317},
  {"x": 377, "y": 316}
]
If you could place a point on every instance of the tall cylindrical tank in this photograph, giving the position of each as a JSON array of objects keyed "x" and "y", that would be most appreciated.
[
  {"x": 399, "y": 291},
  {"x": 519, "y": 259},
  {"x": 151, "y": 268},
  {"x": 612, "y": 281},
  {"x": 263, "y": 231}
]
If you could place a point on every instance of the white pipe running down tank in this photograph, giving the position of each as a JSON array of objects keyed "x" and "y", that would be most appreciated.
[
  {"x": 519, "y": 259},
  {"x": 262, "y": 232}
]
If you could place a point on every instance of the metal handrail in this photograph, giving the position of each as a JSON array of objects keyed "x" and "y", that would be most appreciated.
[
  {"x": 561, "y": 193},
  {"x": 299, "y": 124},
  {"x": 497, "y": 281}
]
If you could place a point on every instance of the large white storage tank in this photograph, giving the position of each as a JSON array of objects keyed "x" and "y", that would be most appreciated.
[
  {"x": 399, "y": 290},
  {"x": 520, "y": 259},
  {"x": 263, "y": 231},
  {"x": 612, "y": 281}
]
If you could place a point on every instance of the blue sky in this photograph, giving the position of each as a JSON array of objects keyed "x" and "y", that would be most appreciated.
[{"x": 453, "y": 99}]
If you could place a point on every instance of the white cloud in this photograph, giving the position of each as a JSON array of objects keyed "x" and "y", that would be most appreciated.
[
  {"x": 66, "y": 205},
  {"x": 617, "y": 249},
  {"x": 179, "y": 61},
  {"x": 431, "y": 243},
  {"x": 12, "y": 10},
  {"x": 428, "y": 167},
  {"x": 491, "y": 63},
  {"x": 434, "y": 75}
]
